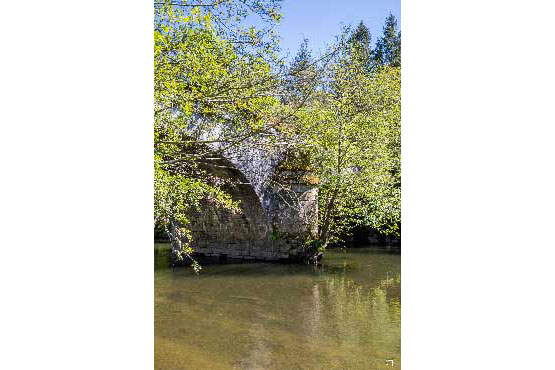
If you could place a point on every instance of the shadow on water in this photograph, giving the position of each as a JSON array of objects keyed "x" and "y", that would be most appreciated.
[{"x": 342, "y": 315}]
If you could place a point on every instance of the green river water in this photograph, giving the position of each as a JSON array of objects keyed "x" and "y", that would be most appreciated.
[{"x": 345, "y": 314}]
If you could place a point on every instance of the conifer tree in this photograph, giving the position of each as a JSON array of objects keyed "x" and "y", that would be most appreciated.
[
  {"x": 360, "y": 42},
  {"x": 388, "y": 46}
]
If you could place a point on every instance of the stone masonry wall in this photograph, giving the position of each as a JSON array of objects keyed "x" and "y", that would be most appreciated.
[{"x": 271, "y": 226}]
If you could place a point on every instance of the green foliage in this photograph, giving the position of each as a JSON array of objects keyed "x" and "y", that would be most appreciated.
[
  {"x": 212, "y": 84},
  {"x": 217, "y": 85},
  {"x": 301, "y": 77},
  {"x": 359, "y": 43},
  {"x": 388, "y": 47},
  {"x": 351, "y": 133},
  {"x": 313, "y": 246}
]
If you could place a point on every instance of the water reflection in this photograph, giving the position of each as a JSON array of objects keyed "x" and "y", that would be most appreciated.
[{"x": 344, "y": 315}]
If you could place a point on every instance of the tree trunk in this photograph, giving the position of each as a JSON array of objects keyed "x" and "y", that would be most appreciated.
[{"x": 327, "y": 218}]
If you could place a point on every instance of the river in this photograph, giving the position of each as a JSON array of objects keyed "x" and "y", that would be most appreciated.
[{"x": 345, "y": 314}]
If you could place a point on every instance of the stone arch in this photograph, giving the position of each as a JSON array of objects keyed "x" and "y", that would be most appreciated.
[
  {"x": 269, "y": 226},
  {"x": 221, "y": 233}
]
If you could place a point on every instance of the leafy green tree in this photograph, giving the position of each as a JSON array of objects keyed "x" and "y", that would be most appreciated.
[
  {"x": 388, "y": 46},
  {"x": 351, "y": 133},
  {"x": 213, "y": 89}
]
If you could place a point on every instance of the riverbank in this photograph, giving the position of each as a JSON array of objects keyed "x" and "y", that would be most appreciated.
[{"x": 163, "y": 259}]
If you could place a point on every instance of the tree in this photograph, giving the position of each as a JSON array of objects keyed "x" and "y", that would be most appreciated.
[
  {"x": 301, "y": 76},
  {"x": 360, "y": 41},
  {"x": 351, "y": 133},
  {"x": 212, "y": 86},
  {"x": 388, "y": 46}
]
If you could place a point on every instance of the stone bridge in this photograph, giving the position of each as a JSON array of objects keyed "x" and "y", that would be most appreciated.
[{"x": 279, "y": 209}]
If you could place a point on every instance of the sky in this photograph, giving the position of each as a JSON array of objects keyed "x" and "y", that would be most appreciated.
[{"x": 320, "y": 21}]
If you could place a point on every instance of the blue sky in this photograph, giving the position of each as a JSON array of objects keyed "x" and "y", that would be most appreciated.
[{"x": 320, "y": 20}]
